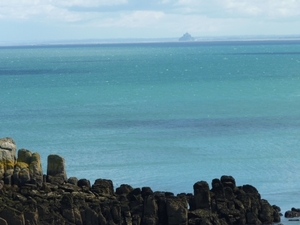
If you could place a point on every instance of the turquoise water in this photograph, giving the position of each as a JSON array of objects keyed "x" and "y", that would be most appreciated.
[{"x": 164, "y": 115}]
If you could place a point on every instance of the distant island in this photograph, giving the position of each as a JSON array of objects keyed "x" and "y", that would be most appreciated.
[{"x": 186, "y": 37}]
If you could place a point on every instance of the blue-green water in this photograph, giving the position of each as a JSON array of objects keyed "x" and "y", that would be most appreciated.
[{"x": 164, "y": 115}]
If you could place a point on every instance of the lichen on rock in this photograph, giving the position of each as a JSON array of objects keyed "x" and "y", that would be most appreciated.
[{"x": 7, "y": 157}]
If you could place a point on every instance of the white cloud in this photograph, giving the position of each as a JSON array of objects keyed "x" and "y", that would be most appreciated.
[
  {"x": 88, "y": 3},
  {"x": 155, "y": 18},
  {"x": 133, "y": 19},
  {"x": 270, "y": 9},
  {"x": 49, "y": 9}
]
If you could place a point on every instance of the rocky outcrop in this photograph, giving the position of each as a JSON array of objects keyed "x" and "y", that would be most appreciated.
[
  {"x": 28, "y": 169},
  {"x": 56, "y": 169},
  {"x": 30, "y": 200},
  {"x": 292, "y": 213},
  {"x": 7, "y": 158}
]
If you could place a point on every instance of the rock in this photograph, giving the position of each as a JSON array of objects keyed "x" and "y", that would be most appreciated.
[
  {"x": 277, "y": 213},
  {"x": 218, "y": 190},
  {"x": 12, "y": 216},
  {"x": 3, "y": 221},
  {"x": 7, "y": 157},
  {"x": 56, "y": 171},
  {"x": 266, "y": 215},
  {"x": 229, "y": 195},
  {"x": 103, "y": 187},
  {"x": 295, "y": 210},
  {"x": 70, "y": 211},
  {"x": 72, "y": 180},
  {"x": 84, "y": 183},
  {"x": 124, "y": 189},
  {"x": 28, "y": 168},
  {"x": 291, "y": 214},
  {"x": 177, "y": 211},
  {"x": 146, "y": 191},
  {"x": 228, "y": 181},
  {"x": 202, "y": 195},
  {"x": 150, "y": 214},
  {"x": 36, "y": 199}
]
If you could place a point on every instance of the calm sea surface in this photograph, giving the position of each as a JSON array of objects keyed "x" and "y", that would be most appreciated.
[{"x": 163, "y": 115}]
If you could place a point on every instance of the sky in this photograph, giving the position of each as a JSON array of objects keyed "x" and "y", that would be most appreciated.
[{"x": 49, "y": 20}]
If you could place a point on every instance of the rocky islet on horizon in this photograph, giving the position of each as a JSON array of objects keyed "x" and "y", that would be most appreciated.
[{"x": 29, "y": 197}]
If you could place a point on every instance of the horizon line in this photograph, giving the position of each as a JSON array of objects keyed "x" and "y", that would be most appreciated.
[{"x": 96, "y": 41}]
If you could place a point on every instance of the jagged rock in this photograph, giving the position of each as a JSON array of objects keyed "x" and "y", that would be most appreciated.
[
  {"x": 291, "y": 214},
  {"x": 146, "y": 191},
  {"x": 252, "y": 219},
  {"x": 228, "y": 181},
  {"x": 202, "y": 195},
  {"x": 218, "y": 190},
  {"x": 277, "y": 213},
  {"x": 103, "y": 187},
  {"x": 266, "y": 215},
  {"x": 56, "y": 172},
  {"x": 73, "y": 180},
  {"x": 12, "y": 216},
  {"x": 69, "y": 210},
  {"x": 124, "y": 189},
  {"x": 177, "y": 211},
  {"x": 36, "y": 199},
  {"x": 28, "y": 168},
  {"x": 162, "y": 207},
  {"x": 91, "y": 217},
  {"x": 7, "y": 157},
  {"x": 150, "y": 215},
  {"x": 84, "y": 183}
]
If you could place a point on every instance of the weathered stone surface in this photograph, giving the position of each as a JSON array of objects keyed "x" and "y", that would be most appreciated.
[
  {"x": 266, "y": 216},
  {"x": 146, "y": 191},
  {"x": 84, "y": 183},
  {"x": 218, "y": 190},
  {"x": 177, "y": 211},
  {"x": 291, "y": 214},
  {"x": 29, "y": 198},
  {"x": 150, "y": 215},
  {"x": 202, "y": 195},
  {"x": 12, "y": 216},
  {"x": 56, "y": 169},
  {"x": 73, "y": 180},
  {"x": 103, "y": 187},
  {"x": 228, "y": 181},
  {"x": 28, "y": 168},
  {"x": 7, "y": 157},
  {"x": 124, "y": 189}
]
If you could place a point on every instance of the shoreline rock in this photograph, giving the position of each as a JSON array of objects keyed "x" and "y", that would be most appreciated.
[{"x": 28, "y": 197}]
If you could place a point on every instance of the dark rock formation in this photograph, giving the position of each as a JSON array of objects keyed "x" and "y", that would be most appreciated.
[
  {"x": 292, "y": 213},
  {"x": 33, "y": 199}
]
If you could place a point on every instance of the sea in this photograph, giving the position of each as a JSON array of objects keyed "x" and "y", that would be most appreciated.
[{"x": 163, "y": 115}]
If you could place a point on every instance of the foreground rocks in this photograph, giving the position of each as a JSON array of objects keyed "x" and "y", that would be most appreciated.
[{"x": 27, "y": 197}]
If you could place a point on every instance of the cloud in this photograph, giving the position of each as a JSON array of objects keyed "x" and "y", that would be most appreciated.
[
  {"x": 50, "y": 9},
  {"x": 270, "y": 9},
  {"x": 155, "y": 18},
  {"x": 133, "y": 19},
  {"x": 75, "y": 10}
]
